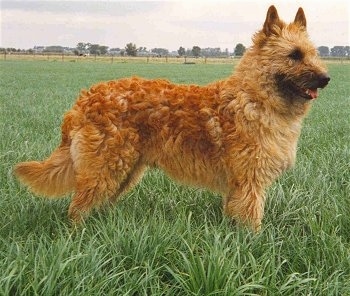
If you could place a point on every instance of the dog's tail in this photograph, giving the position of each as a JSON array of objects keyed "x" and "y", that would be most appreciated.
[{"x": 52, "y": 177}]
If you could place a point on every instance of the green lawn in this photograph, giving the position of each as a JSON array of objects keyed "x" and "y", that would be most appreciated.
[{"x": 164, "y": 238}]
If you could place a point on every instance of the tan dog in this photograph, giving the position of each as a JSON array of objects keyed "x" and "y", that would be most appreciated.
[{"x": 234, "y": 136}]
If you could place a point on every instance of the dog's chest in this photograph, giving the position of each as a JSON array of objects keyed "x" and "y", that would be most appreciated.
[{"x": 279, "y": 147}]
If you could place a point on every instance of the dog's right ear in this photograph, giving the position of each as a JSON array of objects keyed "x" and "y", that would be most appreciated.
[
  {"x": 272, "y": 19},
  {"x": 300, "y": 18}
]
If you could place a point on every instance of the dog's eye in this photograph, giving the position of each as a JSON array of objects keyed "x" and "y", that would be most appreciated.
[{"x": 296, "y": 55}]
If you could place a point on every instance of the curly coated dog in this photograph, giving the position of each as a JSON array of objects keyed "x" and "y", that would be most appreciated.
[{"x": 233, "y": 136}]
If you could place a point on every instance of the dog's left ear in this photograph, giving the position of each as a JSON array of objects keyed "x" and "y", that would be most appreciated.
[{"x": 300, "y": 18}]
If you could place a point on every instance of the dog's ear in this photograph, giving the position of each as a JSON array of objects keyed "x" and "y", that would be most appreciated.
[
  {"x": 272, "y": 19},
  {"x": 300, "y": 18}
]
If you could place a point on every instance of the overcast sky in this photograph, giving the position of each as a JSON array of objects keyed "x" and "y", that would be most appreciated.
[{"x": 165, "y": 24}]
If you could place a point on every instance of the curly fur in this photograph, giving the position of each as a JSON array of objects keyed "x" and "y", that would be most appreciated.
[{"x": 234, "y": 136}]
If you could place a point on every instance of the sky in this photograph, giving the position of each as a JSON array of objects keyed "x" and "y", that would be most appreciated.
[{"x": 164, "y": 24}]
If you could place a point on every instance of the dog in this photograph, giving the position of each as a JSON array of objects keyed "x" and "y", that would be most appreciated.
[{"x": 234, "y": 136}]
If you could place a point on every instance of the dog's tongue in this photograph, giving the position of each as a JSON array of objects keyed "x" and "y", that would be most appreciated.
[{"x": 313, "y": 93}]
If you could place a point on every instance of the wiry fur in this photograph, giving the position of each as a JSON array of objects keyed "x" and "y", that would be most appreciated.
[{"x": 234, "y": 136}]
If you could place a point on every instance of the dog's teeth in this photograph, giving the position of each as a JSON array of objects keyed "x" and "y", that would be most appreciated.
[{"x": 307, "y": 92}]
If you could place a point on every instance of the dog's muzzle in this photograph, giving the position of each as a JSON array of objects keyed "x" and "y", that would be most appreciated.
[{"x": 323, "y": 80}]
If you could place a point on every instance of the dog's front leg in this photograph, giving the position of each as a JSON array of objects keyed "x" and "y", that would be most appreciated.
[{"x": 246, "y": 205}]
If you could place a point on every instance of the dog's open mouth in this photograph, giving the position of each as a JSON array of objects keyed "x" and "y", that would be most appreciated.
[
  {"x": 292, "y": 89},
  {"x": 310, "y": 93}
]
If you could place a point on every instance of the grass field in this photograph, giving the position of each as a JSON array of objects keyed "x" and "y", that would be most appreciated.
[{"x": 164, "y": 238}]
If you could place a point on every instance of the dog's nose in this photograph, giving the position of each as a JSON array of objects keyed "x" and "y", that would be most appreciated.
[{"x": 324, "y": 79}]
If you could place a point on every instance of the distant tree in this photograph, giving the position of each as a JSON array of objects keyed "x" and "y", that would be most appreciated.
[
  {"x": 181, "y": 51},
  {"x": 196, "y": 51},
  {"x": 239, "y": 49},
  {"x": 160, "y": 51},
  {"x": 347, "y": 51},
  {"x": 103, "y": 49},
  {"x": 338, "y": 51},
  {"x": 324, "y": 51},
  {"x": 95, "y": 49},
  {"x": 80, "y": 46},
  {"x": 54, "y": 48},
  {"x": 10, "y": 49},
  {"x": 83, "y": 48},
  {"x": 212, "y": 52},
  {"x": 131, "y": 49}
]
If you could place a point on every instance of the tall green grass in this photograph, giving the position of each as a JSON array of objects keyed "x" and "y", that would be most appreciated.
[{"x": 164, "y": 238}]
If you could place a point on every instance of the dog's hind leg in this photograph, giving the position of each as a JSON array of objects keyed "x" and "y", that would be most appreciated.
[
  {"x": 134, "y": 176},
  {"x": 246, "y": 204},
  {"x": 102, "y": 165}
]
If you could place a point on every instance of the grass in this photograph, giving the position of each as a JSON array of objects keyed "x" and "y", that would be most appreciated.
[{"x": 164, "y": 238}]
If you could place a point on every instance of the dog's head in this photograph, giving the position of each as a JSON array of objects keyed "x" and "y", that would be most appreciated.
[{"x": 288, "y": 55}]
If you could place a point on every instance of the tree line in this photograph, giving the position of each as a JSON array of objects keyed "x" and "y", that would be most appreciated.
[
  {"x": 336, "y": 51},
  {"x": 131, "y": 49}
]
